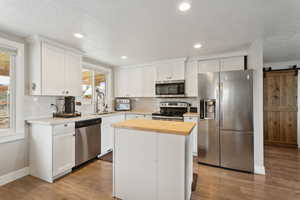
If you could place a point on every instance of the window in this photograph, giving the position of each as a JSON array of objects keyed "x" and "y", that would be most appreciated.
[
  {"x": 6, "y": 64},
  {"x": 12, "y": 90},
  {"x": 92, "y": 80}
]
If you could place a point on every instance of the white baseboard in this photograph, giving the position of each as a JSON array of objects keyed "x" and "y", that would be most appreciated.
[
  {"x": 12, "y": 176},
  {"x": 259, "y": 170}
]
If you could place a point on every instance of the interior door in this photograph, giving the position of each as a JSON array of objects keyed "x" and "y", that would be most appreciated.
[
  {"x": 280, "y": 107},
  {"x": 53, "y": 70}
]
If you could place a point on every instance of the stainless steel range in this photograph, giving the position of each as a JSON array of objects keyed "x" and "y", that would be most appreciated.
[{"x": 172, "y": 111}]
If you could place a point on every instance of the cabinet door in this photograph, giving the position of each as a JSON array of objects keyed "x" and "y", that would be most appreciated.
[
  {"x": 63, "y": 152},
  {"x": 208, "y": 66},
  {"x": 122, "y": 80},
  {"x": 149, "y": 77},
  {"x": 194, "y": 133},
  {"x": 134, "y": 116},
  {"x": 107, "y": 132},
  {"x": 171, "y": 167},
  {"x": 135, "y": 167},
  {"x": 73, "y": 74},
  {"x": 53, "y": 70},
  {"x": 191, "y": 79},
  {"x": 232, "y": 64},
  {"x": 163, "y": 72},
  {"x": 135, "y": 82},
  {"x": 177, "y": 69}
]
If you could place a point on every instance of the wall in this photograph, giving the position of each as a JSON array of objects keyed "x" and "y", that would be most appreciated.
[
  {"x": 255, "y": 62},
  {"x": 285, "y": 65}
]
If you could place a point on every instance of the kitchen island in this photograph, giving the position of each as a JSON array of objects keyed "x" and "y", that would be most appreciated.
[{"x": 152, "y": 160}]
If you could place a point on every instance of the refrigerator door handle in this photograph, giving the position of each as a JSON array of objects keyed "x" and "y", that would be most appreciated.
[{"x": 221, "y": 101}]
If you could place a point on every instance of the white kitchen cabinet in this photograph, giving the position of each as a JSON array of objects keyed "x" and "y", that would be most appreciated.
[
  {"x": 232, "y": 64},
  {"x": 170, "y": 71},
  {"x": 194, "y": 133},
  {"x": 159, "y": 166},
  {"x": 208, "y": 66},
  {"x": 191, "y": 79},
  {"x": 52, "y": 150},
  {"x": 137, "y": 116},
  {"x": 53, "y": 75},
  {"x": 121, "y": 83},
  {"x": 107, "y": 131},
  {"x": 148, "y": 81},
  {"x": 135, "y": 82},
  {"x": 63, "y": 152},
  {"x": 55, "y": 70},
  {"x": 73, "y": 74},
  {"x": 142, "y": 148}
]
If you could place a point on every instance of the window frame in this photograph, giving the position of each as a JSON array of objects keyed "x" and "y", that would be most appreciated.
[
  {"x": 108, "y": 79},
  {"x": 17, "y": 129}
]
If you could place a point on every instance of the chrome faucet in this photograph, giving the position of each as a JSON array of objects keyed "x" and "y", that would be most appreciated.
[{"x": 100, "y": 95}]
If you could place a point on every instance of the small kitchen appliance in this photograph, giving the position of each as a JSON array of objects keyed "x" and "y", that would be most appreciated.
[
  {"x": 122, "y": 104},
  {"x": 68, "y": 108}
]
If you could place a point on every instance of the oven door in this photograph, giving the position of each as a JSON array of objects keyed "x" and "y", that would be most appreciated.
[{"x": 170, "y": 89}]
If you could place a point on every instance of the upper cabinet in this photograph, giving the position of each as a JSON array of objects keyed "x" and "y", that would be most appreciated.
[
  {"x": 232, "y": 64},
  {"x": 224, "y": 64},
  {"x": 55, "y": 70},
  {"x": 170, "y": 70},
  {"x": 135, "y": 81},
  {"x": 209, "y": 66},
  {"x": 191, "y": 79}
]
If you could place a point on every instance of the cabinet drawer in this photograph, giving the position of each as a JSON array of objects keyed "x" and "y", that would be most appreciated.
[{"x": 64, "y": 128}]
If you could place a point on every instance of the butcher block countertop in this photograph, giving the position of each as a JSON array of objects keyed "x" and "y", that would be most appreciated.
[{"x": 168, "y": 127}]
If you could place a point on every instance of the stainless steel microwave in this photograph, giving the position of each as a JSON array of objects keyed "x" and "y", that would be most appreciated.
[{"x": 170, "y": 88}]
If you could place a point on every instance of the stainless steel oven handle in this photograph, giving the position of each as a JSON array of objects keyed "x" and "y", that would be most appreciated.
[{"x": 166, "y": 117}]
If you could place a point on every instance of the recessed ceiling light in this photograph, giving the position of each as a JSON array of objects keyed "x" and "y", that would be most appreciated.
[
  {"x": 124, "y": 57},
  {"x": 197, "y": 46},
  {"x": 78, "y": 35},
  {"x": 184, "y": 6}
]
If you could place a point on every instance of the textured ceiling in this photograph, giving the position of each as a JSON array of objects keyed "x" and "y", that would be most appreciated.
[{"x": 147, "y": 30}]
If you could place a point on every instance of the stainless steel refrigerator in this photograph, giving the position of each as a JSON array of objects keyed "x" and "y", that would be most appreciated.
[{"x": 226, "y": 126}]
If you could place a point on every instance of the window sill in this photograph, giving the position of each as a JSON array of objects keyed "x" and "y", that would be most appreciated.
[{"x": 11, "y": 138}]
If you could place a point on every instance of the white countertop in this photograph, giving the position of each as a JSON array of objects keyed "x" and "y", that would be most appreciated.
[{"x": 57, "y": 120}]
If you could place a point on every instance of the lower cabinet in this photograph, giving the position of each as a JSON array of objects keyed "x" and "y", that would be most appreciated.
[
  {"x": 137, "y": 116},
  {"x": 52, "y": 150},
  {"x": 63, "y": 152},
  {"x": 152, "y": 166},
  {"x": 194, "y": 133},
  {"x": 107, "y": 131}
]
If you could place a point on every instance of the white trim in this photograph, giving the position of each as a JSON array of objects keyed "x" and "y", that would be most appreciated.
[
  {"x": 219, "y": 56},
  {"x": 184, "y": 59},
  {"x": 12, "y": 137},
  {"x": 259, "y": 170},
  {"x": 12, "y": 176},
  {"x": 40, "y": 38}
]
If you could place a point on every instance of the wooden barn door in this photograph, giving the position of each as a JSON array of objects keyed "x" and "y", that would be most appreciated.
[{"x": 280, "y": 108}]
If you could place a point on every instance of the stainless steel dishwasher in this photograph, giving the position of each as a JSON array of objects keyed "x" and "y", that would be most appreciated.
[{"x": 87, "y": 140}]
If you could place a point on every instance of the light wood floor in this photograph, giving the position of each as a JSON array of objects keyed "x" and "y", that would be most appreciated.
[{"x": 94, "y": 181}]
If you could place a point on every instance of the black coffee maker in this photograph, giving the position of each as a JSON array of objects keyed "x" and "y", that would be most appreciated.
[
  {"x": 70, "y": 105},
  {"x": 68, "y": 109}
]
